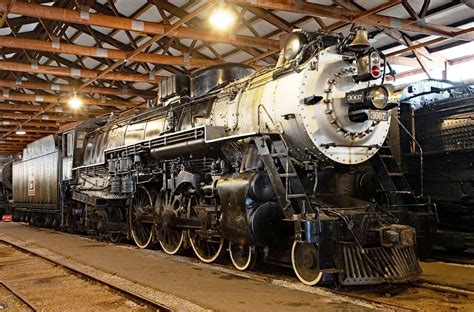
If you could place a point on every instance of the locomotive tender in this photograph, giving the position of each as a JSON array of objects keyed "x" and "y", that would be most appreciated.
[
  {"x": 232, "y": 155},
  {"x": 439, "y": 114}
]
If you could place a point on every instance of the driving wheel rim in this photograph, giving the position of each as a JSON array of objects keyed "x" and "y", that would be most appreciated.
[
  {"x": 171, "y": 239},
  {"x": 115, "y": 237},
  {"x": 207, "y": 251},
  {"x": 305, "y": 261},
  {"x": 142, "y": 233},
  {"x": 243, "y": 257}
]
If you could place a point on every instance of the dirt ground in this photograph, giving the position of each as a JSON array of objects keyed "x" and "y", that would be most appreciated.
[
  {"x": 417, "y": 298},
  {"x": 207, "y": 288},
  {"x": 52, "y": 288},
  {"x": 9, "y": 302}
]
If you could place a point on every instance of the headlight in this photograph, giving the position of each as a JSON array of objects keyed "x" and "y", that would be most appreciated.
[
  {"x": 374, "y": 58},
  {"x": 378, "y": 97},
  {"x": 293, "y": 45}
]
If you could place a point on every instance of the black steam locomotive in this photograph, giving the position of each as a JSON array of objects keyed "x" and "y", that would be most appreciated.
[
  {"x": 233, "y": 159},
  {"x": 440, "y": 116}
]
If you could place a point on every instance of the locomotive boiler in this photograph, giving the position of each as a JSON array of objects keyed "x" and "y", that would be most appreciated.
[{"x": 229, "y": 160}]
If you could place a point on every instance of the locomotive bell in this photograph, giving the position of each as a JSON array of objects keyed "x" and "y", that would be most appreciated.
[{"x": 361, "y": 40}]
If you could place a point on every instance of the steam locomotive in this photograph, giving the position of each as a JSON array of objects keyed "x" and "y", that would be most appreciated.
[
  {"x": 231, "y": 158},
  {"x": 439, "y": 115}
]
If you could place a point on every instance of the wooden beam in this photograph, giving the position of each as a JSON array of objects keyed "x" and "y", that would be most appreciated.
[
  {"x": 9, "y": 151},
  {"x": 114, "y": 22},
  {"x": 403, "y": 61},
  {"x": 51, "y": 117},
  {"x": 129, "y": 55},
  {"x": 62, "y": 100},
  {"x": 21, "y": 138},
  {"x": 71, "y": 88},
  {"x": 347, "y": 15},
  {"x": 271, "y": 18},
  {"x": 430, "y": 42},
  {"x": 57, "y": 110},
  {"x": 362, "y": 14},
  {"x": 47, "y": 124},
  {"x": 6, "y": 12},
  {"x": 28, "y": 130},
  {"x": 75, "y": 72},
  {"x": 74, "y": 49},
  {"x": 422, "y": 56},
  {"x": 456, "y": 61}
]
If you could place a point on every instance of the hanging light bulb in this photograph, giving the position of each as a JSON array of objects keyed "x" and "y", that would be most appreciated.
[
  {"x": 20, "y": 131},
  {"x": 222, "y": 17},
  {"x": 75, "y": 102}
]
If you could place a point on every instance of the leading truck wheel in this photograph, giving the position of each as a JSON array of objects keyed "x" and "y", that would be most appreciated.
[
  {"x": 142, "y": 205},
  {"x": 305, "y": 261},
  {"x": 243, "y": 256}
]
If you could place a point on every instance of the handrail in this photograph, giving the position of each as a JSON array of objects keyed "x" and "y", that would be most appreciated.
[{"x": 421, "y": 152}]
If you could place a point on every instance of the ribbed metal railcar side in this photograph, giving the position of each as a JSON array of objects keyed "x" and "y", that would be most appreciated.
[{"x": 35, "y": 177}]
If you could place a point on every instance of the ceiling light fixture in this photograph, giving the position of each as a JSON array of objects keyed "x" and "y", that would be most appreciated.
[
  {"x": 20, "y": 131},
  {"x": 75, "y": 102},
  {"x": 222, "y": 17}
]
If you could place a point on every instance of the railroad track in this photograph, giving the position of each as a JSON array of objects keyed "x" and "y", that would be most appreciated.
[
  {"x": 417, "y": 296},
  {"x": 465, "y": 258},
  {"x": 111, "y": 292},
  {"x": 18, "y": 296},
  {"x": 396, "y": 297}
]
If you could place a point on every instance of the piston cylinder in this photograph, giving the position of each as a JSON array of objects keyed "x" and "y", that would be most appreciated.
[
  {"x": 128, "y": 186},
  {"x": 115, "y": 185}
]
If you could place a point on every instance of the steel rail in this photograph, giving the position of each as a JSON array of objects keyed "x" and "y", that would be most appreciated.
[
  {"x": 19, "y": 296},
  {"x": 128, "y": 293}
]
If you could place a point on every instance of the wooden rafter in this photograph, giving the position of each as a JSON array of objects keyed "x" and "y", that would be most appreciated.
[
  {"x": 376, "y": 20},
  {"x": 72, "y": 16},
  {"x": 30, "y": 64}
]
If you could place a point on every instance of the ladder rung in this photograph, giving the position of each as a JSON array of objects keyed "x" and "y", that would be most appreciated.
[
  {"x": 290, "y": 196},
  {"x": 395, "y": 174},
  {"x": 279, "y": 155},
  {"x": 288, "y": 175},
  {"x": 395, "y": 192}
]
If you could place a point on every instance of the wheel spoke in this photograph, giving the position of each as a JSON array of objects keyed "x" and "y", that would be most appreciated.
[
  {"x": 204, "y": 248},
  {"x": 171, "y": 239},
  {"x": 141, "y": 232}
]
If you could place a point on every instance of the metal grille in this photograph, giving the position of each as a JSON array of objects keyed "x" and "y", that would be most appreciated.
[{"x": 381, "y": 264}]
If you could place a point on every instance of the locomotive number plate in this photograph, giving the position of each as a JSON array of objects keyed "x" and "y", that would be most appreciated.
[{"x": 378, "y": 115}]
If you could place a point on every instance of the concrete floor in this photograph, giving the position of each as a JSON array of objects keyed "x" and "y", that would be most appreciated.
[
  {"x": 200, "y": 285},
  {"x": 204, "y": 286}
]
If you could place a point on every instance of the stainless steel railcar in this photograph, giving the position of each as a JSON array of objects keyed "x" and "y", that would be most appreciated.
[
  {"x": 36, "y": 182},
  {"x": 231, "y": 156}
]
